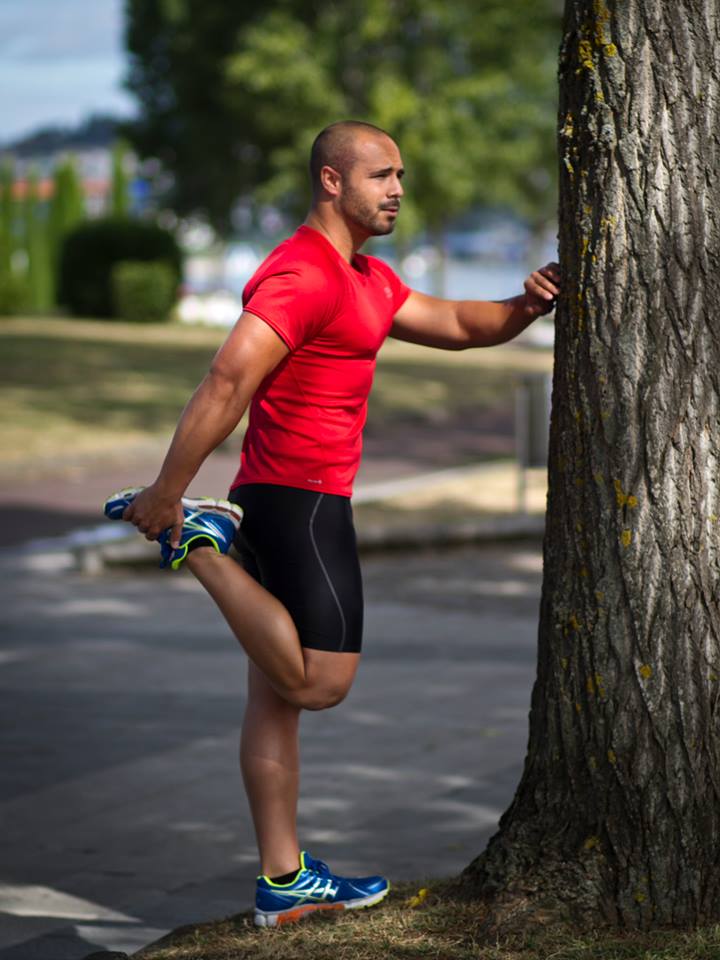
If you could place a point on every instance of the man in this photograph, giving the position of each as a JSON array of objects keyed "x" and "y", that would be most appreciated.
[{"x": 303, "y": 352}]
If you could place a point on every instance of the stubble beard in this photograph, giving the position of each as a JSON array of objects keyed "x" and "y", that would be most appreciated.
[{"x": 359, "y": 211}]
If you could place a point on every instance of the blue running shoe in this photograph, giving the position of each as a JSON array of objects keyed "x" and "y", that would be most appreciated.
[
  {"x": 115, "y": 505},
  {"x": 214, "y": 521},
  {"x": 314, "y": 888}
]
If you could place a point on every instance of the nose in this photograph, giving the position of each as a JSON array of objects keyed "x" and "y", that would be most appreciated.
[{"x": 396, "y": 188}]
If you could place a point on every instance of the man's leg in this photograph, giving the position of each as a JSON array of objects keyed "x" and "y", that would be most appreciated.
[
  {"x": 313, "y": 679},
  {"x": 270, "y": 763}
]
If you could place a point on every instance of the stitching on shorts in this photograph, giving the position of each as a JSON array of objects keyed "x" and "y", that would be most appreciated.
[{"x": 320, "y": 498}]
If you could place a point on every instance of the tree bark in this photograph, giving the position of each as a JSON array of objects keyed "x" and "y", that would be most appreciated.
[{"x": 617, "y": 816}]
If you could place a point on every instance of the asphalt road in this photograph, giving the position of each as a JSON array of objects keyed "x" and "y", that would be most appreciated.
[{"x": 122, "y": 696}]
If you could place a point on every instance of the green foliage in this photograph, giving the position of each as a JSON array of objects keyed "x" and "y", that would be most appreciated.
[
  {"x": 120, "y": 187},
  {"x": 14, "y": 294},
  {"x": 39, "y": 269},
  {"x": 92, "y": 249},
  {"x": 232, "y": 95},
  {"x": 7, "y": 217},
  {"x": 143, "y": 291},
  {"x": 67, "y": 206}
]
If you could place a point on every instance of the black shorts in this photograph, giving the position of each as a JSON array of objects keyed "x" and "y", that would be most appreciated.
[{"x": 300, "y": 545}]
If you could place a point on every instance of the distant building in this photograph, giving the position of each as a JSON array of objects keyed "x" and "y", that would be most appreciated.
[{"x": 90, "y": 146}]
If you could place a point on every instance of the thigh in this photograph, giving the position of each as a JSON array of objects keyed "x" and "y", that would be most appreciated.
[{"x": 301, "y": 546}]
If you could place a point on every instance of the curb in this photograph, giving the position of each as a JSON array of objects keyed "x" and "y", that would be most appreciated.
[{"x": 93, "y": 549}]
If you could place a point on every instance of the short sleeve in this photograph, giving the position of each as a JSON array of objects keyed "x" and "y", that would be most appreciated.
[{"x": 293, "y": 301}]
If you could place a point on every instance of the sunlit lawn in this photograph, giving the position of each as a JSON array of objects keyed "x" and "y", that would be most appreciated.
[{"x": 77, "y": 387}]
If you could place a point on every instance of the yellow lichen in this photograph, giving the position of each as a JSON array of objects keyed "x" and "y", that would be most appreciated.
[
  {"x": 612, "y": 758},
  {"x": 584, "y": 572},
  {"x": 564, "y": 662},
  {"x": 602, "y": 16},
  {"x": 590, "y": 686},
  {"x": 578, "y": 708},
  {"x": 599, "y": 595},
  {"x": 610, "y": 50},
  {"x": 574, "y": 622},
  {"x": 645, "y": 671},
  {"x": 639, "y": 896},
  {"x": 591, "y": 843},
  {"x": 624, "y": 499},
  {"x": 626, "y": 538},
  {"x": 585, "y": 55}
]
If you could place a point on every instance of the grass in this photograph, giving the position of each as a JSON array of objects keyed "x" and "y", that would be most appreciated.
[
  {"x": 441, "y": 927},
  {"x": 71, "y": 388}
]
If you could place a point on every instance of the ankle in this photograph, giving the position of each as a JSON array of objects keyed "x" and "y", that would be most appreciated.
[{"x": 281, "y": 867}]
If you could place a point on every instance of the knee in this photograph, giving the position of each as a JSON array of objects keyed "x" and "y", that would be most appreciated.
[{"x": 319, "y": 698}]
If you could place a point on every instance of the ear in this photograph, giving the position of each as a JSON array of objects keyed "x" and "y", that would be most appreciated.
[{"x": 330, "y": 181}]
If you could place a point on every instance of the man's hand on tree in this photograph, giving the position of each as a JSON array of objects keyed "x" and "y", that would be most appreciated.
[
  {"x": 541, "y": 289},
  {"x": 152, "y": 512}
]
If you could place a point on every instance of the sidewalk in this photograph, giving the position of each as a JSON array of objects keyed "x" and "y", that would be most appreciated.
[{"x": 122, "y": 696}]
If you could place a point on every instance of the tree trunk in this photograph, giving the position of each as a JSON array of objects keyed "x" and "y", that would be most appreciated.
[{"x": 617, "y": 816}]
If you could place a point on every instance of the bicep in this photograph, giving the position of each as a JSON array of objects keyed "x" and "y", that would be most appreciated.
[
  {"x": 250, "y": 352},
  {"x": 429, "y": 321}
]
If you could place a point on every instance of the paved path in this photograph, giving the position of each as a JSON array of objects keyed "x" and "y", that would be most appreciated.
[{"x": 122, "y": 811}]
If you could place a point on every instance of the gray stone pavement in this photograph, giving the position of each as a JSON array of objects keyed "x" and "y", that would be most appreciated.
[{"x": 120, "y": 799}]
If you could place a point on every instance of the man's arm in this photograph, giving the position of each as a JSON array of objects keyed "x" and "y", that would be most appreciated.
[
  {"x": 250, "y": 353},
  {"x": 457, "y": 324}
]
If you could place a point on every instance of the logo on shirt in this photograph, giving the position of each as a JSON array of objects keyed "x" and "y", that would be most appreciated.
[
  {"x": 388, "y": 292},
  {"x": 308, "y": 480}
]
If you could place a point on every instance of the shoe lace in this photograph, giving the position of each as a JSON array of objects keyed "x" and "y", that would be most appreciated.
[{"x": 318, "y": 866}]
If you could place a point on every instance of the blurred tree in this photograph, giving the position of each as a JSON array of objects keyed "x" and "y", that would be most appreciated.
[
  {"x": 67, "y": 208},
  {"x": 232, "y": 95},
  {"x": 37, "y": 247},
  {"x": 120, "y": 184},
  {"x": 7, "y": 217}
]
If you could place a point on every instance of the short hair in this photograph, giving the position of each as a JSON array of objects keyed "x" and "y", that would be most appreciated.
[{"x": 333, "y": 147}]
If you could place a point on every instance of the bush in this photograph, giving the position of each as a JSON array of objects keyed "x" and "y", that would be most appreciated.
[
  {"x": 143, "y": 291},
  {"x": 91, "y": 250},
  {"x": 14, "y": 294}
]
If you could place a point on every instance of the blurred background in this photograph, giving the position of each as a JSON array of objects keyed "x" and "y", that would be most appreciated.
[{"x": 153, "y": 151}]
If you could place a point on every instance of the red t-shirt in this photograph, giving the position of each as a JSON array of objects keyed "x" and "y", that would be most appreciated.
[{"x": 307, "y": 416}]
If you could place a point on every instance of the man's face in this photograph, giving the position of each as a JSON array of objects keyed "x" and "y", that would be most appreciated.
[{"x": 371, "y": 188}]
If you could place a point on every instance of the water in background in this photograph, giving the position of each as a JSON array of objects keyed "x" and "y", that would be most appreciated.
[{"x": 214, "y": 282}]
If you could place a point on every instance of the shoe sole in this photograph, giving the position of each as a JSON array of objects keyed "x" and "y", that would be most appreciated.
[
  {"x": 192, "y": 503},
  {"x": 294, "y": 914}
]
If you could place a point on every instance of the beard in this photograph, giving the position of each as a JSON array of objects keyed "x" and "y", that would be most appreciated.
[{"x": 357, "y": 209}]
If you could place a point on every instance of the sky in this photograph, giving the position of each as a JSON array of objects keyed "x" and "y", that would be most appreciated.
[{"x": 60, "y": 60}]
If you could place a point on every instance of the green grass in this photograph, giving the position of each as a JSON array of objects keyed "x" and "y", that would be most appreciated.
[
  {"x": 71, "y": 388},
  {"x": 442, "y": 927}
]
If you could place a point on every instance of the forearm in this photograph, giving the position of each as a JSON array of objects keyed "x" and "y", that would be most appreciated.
[
  {"x": 212, "y": 413},
  {"x": 487, "y": 323}
]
